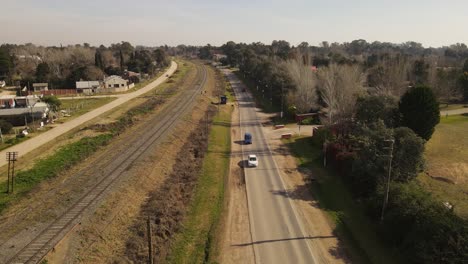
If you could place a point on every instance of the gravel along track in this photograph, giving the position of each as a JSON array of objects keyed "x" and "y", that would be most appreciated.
[{"x": 108, "y": 172}]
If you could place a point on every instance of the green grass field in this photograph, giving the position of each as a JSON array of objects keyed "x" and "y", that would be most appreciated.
[
  {"x": 352, "y": 226},
  {"x": 447, "y": 163},
  {"x": 197, "y": 242},
  {"x": 77, "y": 107}
]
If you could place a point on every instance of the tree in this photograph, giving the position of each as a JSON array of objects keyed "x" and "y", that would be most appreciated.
[
  {"x": 98, "y": 62},
  {"x": 339, "y": 87},
  {"x": 465, "y": 66},
  {"x": 281, "y": 48},
  {"x": 121, "y": 60},
  {"x": 371, "y": 109},
  {"x": 160, "y": 57},
  {"x": 408, "y": 153},
  {"x": 42, "y": 72},
  {"x": 464, "y": 85},
  {"x": 420, "y": 72},
  {"x": 205, "y": 52},
  {"x": 53, "y": 102},
  {"x": 304, "y": 96},
  {"x": 419, "y": 110},
  {"x": 5, "y": 63},
  {"x": 389, "y": 76},
  {"x": 5, "y": 126}
]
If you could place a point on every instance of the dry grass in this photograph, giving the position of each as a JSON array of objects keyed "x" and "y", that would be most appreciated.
[{"x": 447, "y": 163}]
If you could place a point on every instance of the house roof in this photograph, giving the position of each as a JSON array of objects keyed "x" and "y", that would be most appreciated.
[
  {"x": 87, "y": 84},
  {"x": 40, "y": 84},
  {"x": 113, "y": 77}
]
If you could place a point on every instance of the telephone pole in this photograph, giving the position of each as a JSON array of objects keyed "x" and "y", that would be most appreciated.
[
  {"x": 11, "y": 157},
  {"x": 390, "y": 158}
]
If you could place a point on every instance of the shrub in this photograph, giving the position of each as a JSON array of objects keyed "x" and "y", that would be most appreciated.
[
  {"x": 422, "y": 228},
  {"x": 5, "y": 126},
  {"x": 420, "y": 111}
]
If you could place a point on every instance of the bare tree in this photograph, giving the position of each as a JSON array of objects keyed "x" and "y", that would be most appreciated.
[
  {"x": 340, "y": 85},
  {"x": 390, "y": 76},
  {"x": 304, "y": 97}
]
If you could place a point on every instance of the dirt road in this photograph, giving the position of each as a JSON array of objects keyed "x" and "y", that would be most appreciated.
[
  {"x": 454, "y": 112},
  {"x": 44, "y": 138}
]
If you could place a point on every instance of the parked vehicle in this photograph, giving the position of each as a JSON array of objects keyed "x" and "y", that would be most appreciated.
[
  {"x": 252, "y": 161},
  {"x": 247, "y": 138}
]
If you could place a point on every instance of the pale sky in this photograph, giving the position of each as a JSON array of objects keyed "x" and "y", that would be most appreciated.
[{"x": 198, "y": 22}]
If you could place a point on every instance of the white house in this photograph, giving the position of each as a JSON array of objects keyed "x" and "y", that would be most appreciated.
[
  {"x": 39, "y": 87},
  {"x": 115, "y": 81}
]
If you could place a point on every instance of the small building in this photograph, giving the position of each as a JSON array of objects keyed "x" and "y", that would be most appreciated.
[
  {"x": 20, "y": 110},
  {"x": 39, "y": 87},
  {"x": 115, "y": 81},
  {"x": 7, "y": 101},
  {"x": 87, "y": 87}
]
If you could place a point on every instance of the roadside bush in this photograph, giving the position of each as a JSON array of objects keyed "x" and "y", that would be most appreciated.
[
  {"x": 408, "y": 154},
  {"x": 5, "y": 126},
  {"x": 321, "y": 135},
  {"x": 371, "y": 109},
  {"x": 422, "y": 228}
]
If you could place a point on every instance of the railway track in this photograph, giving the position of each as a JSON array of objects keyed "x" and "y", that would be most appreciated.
[{"x": 110, "y": 172}]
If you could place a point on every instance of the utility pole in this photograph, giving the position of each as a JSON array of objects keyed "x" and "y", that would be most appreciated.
[
  {"x": 281, "y": 100},
  {"x": 150, "y": 241},
  {"x": 11, "y": 158},
  {"x": 390, "y": 158}
]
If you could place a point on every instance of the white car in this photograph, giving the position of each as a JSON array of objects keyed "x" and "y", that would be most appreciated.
[{"x": 252, "y": 161}]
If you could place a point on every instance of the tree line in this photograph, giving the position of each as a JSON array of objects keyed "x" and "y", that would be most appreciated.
[{"x": 61, "y": 66}]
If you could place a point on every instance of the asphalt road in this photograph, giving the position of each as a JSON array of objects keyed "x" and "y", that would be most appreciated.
[
  {"x": 50, "y": 135},
  {"x": 277, "y": 233}
]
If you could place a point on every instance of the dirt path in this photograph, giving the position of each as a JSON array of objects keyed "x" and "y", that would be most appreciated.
[
  {"x": 454, "y": 112},
  {"x": 50, "y": 135}
]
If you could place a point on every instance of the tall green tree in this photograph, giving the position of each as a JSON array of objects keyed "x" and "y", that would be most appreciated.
[
  {"x": 5, "y": 63},
  {"x": 205, "y": 52},
  {"x": 464, "y": 85},
  {"x": 98, "y": 60},
  {"x": 419, "y": 111},
  {"x": 121, "y": 60},
  {"x": 43, "y": 72}
]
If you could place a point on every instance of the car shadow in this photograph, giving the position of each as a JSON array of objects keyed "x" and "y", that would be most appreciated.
[
  {"x": 242, "y": 164},
  {"x": 240, "y": 142}
]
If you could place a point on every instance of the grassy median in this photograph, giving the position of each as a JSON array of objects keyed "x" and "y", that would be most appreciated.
[{"x": 197, "y": 241}]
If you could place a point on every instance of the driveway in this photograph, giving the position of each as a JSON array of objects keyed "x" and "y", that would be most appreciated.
[{"x": 454, "y": 112}]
